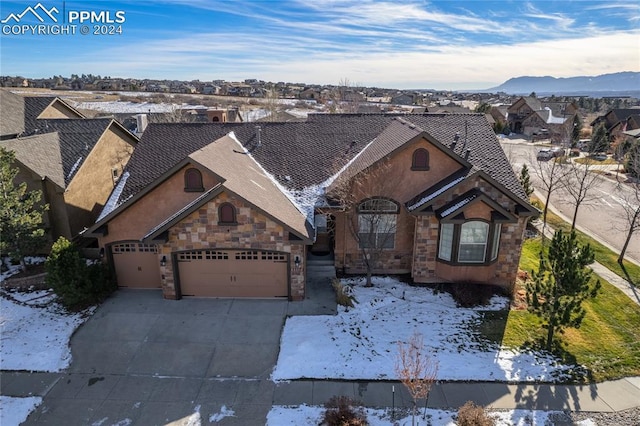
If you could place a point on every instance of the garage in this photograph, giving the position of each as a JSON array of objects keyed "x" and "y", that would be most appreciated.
[
  {"x": 136, "y": 265},
  {"x": 233, "y": 273}
]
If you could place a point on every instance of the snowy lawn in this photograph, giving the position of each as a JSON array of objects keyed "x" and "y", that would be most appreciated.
[
  {"x": 35, "y": 331},
  {"x": 362, "y": 342},
  {"x": 311, "y": 415},
  {"x": 14, "y": 411}
]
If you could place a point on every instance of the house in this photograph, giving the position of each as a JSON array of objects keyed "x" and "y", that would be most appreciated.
[
  {"x": 230, "y": 210},
  {"x": 531, "y": 116},
  {"x": 74, "y": 161},
  {"x": 618, "y": 121}
]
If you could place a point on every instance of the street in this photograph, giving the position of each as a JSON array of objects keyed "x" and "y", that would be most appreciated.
[{"x": 601, "y": 214}]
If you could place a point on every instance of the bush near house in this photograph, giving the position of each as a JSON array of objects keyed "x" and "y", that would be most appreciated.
[
  {"x": 344, "y": 411},
  {"x": 471, "y": 414},
  {"x": 77, "y": 284}
]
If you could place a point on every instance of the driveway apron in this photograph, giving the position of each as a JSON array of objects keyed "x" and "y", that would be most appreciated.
[{"x": 143, "y": 360}]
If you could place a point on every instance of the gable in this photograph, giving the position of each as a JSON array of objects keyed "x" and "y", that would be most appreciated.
[
  {"x": 474, "y": 204},
  {"x": 138, "y": 216},
  {"x": 58, "y": 109},
  {"x": 439, "y": 197}
]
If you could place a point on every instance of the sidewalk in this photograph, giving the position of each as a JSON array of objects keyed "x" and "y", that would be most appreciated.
[
  {"x": 601, "y": 270},
  {"x": 605, "y": 397}
]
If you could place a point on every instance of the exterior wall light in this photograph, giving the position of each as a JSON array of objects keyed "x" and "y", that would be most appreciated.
[{"x": 163, "y": 261}]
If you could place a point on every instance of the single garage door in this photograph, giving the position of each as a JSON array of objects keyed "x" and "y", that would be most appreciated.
[
  {"x": 233, "y": 273},
  {"x": 136, "y": 265}
]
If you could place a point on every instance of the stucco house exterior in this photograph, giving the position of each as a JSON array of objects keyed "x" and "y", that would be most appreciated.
[
  {"x": 73, "y": 160},
  {"x": 232, "y": 210}
]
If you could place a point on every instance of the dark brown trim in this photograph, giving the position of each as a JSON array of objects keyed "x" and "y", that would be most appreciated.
[{"x": 455, "y": 248}]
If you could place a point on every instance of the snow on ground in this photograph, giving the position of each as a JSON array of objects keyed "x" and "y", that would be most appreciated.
[
  {"x": 361, "y": 343},
  {"x": 14, "y": 411},
  {"x": 133, "y": 107},
  {"x": 35, "y": 331},
  {"x": 312, "y": 415}
]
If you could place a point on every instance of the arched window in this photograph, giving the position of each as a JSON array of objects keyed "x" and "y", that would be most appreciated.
[
  {"x": 193, "y": 180},
  {"x": 227, "y": 214},
  {"x": 377, "y": 220},
  {"x": 420, "y": 159}
]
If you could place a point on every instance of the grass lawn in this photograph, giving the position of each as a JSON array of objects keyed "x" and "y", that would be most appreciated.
[
  {"x": 593, "y": 161},
  {"x": 607, "y": 343}
]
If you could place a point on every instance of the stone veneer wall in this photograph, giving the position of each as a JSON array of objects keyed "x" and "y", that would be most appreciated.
[
  {"x": 200, "y": 230},
  {"x": 511, "y": 238}
]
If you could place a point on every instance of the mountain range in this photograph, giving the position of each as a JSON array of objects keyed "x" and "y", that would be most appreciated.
[{"x": 619, "y": 83}]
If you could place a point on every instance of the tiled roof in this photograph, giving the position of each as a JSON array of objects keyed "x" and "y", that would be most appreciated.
[
  {"x": 77, "y": 139},
  {"x": 303, "y": 154},
  {"x": 41, "y": 154}
]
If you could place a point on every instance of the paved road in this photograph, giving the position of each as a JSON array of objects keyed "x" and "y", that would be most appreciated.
[{"x": 601, "y": 214}]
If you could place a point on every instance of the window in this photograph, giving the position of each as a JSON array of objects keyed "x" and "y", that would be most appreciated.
[
  {"x": 420, "y": 159},
  {"x": 446, "y": 241},
  {"x": 471, "y": 242},
  {"x": 193, "y": 181},
  {"x": 495, "y": 241},
  {"x": 377, "y": 223},
  {"x": 227, "y": 214}
]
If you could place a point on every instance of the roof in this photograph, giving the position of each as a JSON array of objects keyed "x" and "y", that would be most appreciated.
[
  {"x": 300, "y": 159},
  {"x": 41, "y": 154},
  {"x": 244, "y": 177},
  {"x": 20, "y": 113},
  {"x": 77, "y": 139},
  {"x": 12, "y": 117}
]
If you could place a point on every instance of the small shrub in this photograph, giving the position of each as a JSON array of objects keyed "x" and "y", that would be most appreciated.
[
  {"x": 343, "y": 411},
  {"x": 344, "y": 296},
  {"x": 468, "y": 295},
  {"x": 471, "y": 414},
  {"x": 76, "y": 284}
]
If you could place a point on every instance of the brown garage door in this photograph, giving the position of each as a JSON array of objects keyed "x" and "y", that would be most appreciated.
[
  {"x": 233, "y": 273},
  {"x": 136, "y": 265}
]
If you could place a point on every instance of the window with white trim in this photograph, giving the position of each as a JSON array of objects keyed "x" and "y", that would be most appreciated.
[
  {"x": 377, "y": 222},
  {"x": 474, "y": 241}
]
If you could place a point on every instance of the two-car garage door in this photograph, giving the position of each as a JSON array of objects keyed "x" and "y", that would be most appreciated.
[{"x": 232, "y": 273}]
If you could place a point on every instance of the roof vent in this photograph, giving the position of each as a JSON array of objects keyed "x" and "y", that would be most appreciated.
[
  {"x": 259, "y": 136},
  {"x": 466, "y": 154}
]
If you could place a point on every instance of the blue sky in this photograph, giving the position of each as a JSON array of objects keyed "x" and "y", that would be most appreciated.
[{"x": 401, "y": 44}]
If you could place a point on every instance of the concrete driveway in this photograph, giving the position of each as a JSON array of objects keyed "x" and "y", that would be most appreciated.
[{"x": 142, "y": 360}]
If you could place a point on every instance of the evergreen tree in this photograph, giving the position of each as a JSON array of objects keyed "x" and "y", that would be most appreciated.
[
  {"x": 561, "y": 284},
  {"x": 599, "y": 140},
  {"x": 21, "y": 229},
  {"x": 577, "y": 128},
  {"x": 525, "y": 180}
]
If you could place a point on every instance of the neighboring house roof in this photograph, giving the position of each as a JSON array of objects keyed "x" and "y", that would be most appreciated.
[
  {"x": 20, "y": 114},
  {"x": 77, "y": 139},
  {"x": 12, "y": 117},
  {"x": 41, "y": 154}
]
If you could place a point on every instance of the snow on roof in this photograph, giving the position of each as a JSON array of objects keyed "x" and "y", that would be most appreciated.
[
  {"x": 112, "y": 202},
  {"x": 434, "y": 194},
  {"x": 74, "y": 167},
  {"x": 457, "y": 205}
]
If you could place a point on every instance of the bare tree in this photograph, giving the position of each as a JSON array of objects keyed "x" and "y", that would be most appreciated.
[
  {"x": 550, "y": 173},
  {"x": 371, "y": 216},
  {"x": 631, "y": 205},
  {"x": 579, "y": 182},
  {"x": 416, "y": 370},
  {"x": 346, "y": 97}
]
